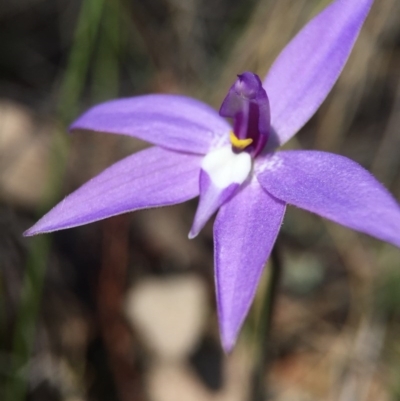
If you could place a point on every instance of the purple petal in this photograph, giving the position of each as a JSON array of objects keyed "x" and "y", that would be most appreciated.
[
  {"x": 222, "y": 173},
  {"x": 333, "y": 187},
  {"x": 211, "y": 198},
  {"x": 244, "y": 234},
  {"x": 153, "y": 177},
  {"x": 307, "y": 68},
  {"x": 174, "y": 122}
]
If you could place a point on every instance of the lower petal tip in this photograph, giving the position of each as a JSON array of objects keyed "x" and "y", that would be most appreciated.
[
  {"x": 228, "y": 344},
  {"x": 193, "y": 234}
]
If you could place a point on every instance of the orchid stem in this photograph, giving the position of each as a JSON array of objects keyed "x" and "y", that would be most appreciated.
[{"x": 259, "y": 387}]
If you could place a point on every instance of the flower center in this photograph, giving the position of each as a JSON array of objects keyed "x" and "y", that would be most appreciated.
[{"x": 248, "y": 105}]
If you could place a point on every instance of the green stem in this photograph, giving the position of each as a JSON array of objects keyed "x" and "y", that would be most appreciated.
[
  {"x": 37, "y": 260},
  {"x": 26, "y": 322},
  {"x": 259, "y": 387},
  {"x": 78, "y": 64}
]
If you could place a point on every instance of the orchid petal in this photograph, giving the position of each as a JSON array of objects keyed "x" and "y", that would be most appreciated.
[
  {"x": 333, "y": 187},
  {"x": 211, "y": 198},
  {"x": 244, "y": 233},
  {"x": 223, "y": 171},
  {"x": 305, "y": 71},
  {"x": 146, "y": 179},
  {"x": 174, "y": 122}
]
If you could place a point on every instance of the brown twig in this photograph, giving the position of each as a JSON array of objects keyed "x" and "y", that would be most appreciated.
[{"x": 116, "y": 333}]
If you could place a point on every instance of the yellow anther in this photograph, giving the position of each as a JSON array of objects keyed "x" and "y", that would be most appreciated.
[{"x": 239, "y": 143}]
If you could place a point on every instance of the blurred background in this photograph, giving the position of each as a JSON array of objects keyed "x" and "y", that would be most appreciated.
[{"x": 124, "y": 309}]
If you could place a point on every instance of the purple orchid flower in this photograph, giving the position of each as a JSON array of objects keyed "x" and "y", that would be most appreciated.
[{"x": 238, "y": 171}]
